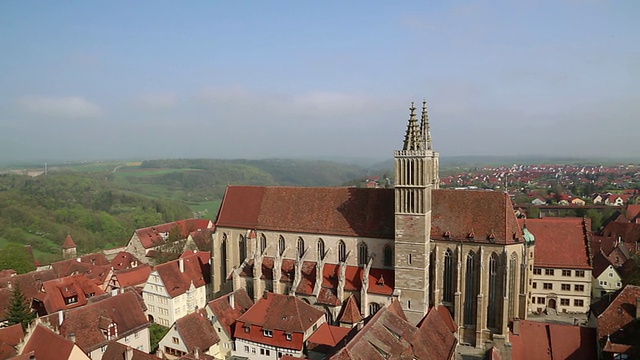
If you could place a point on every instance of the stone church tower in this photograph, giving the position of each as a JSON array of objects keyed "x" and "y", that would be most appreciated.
[{"x": 416, "y": 173}]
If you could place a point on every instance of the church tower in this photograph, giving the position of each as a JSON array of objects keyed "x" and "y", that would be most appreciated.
[{"x": 416, "y": 174}]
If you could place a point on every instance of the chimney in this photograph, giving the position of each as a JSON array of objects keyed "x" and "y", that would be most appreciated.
[
  {"x": 232, "y": 300},
  {"x": 128, "y": 355},
  {"x": 181, "y": 264},
  {"x": 159, "y": 354},
  {"x": 638, "y": 308},
  {"x": 60, "y": 317},
  {"x": 516, "y": 326},
  {"x": 72, "y": 337},
  {"x": 196, "y": 352},
  {"x": 114, "y": 291}
]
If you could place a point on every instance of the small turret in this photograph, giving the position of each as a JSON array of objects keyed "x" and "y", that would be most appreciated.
[{"x": 68, "y": 248}]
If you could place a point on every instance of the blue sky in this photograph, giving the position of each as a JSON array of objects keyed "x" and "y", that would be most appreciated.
[{"x": 161, "y": 79}]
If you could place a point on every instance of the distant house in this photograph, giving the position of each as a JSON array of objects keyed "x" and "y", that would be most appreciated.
[
  {"x": 276, "y": 325},
  {"x": 616, "y": 200},
  {"x": 134, "y": 277},
  {"x": 223, "y": 313},
  {"x": 169, "y": 237},
  {"x": 606, "y": 278},
  {"x": 616, "y": 319},
  {"x": 177, "y": 288},
  {"x": 191, "y": 334},
  {"x": 577, "y": 201},
  {"x": 538, "y": 201}
]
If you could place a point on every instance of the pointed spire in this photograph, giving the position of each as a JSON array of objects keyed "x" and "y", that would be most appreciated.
[
  {"x": 412, "y": 139},
  {"x": 425, "y": 127}
]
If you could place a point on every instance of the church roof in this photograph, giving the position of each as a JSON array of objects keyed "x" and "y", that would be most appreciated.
[
  {"x": 336, "y": 211},
  {"x": 367, "y": 212},
  {"x": 478, "y": 215}
]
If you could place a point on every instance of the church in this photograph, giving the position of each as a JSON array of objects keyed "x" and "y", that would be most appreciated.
[{"x": 340, "y": 248}]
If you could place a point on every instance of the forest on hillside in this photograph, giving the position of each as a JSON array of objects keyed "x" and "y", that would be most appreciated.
[{"x": 101, "y": 205}]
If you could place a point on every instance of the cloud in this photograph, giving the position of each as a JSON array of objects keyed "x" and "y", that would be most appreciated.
[
  {"x": 159, "y": 101},
  {"x": 72, "y": 107}
]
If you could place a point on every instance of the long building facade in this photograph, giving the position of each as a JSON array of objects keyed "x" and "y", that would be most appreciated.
[{"x": 424, "y": 246}]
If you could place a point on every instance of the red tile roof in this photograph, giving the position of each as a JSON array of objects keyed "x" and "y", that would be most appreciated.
[
  {"x": 196, "y": 331},
  {"x": 68, "y": 243},
  {"x": 156, "y": 235},
  {"x": 196, "y": 270},
  {"x": 227, "y": 315},
  {"x": 487, "y": 215},
  {"x": 328, "y": 335},
  {"x": 280, "y": 314},
  {"x": 124, "y": 260},
  {"x": 48, "y": 345},
  {"x": 117, "y": 351},
  {"x": 350, "y": 312},
  {"x": 388, "y": 335},
  {"x": 366, "y": 212},
  {"x": 126, "y": 310},
  {"x": 10, "y": 337},
  {"x": 337, "y": 211},
  {"x": 133, "y": 276},
  {"x": 56, "y": 293},
  {"x": 29, "y": 283},
  {"x": 560, "y": 242},
  {"x": 617, "y": 316},
  {"x": 629, "y": 232},
  {"x": 539, "y": 341}
]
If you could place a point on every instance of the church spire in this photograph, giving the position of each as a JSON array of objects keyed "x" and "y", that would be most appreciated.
[
  {"x": 413, "y": 138},
  {"x": 425, "y": 127}
]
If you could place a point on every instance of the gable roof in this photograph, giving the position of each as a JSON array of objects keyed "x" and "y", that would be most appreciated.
[
  {"x": 153, "y": 236},
  {"x": 126, "y": 310},
  {"x": 133, "y": 276},
  {"x": 338, "y": 211},
  {"x": 539, "y": 341},
  {"x": 560, "y": 242},
  {"x": 629, "y": 232},
  {"x": 227, "y": 315},
  {"x": 281, "y": 312},
  {"x": 328, "y": 335},
  {"x": 56, "y": 292},
  {"x": 10, "y": 337},
  {"x": 42, "y": 341},
  {"x": 197, "y": 270},
  {"x": 617, "y": 316},
  {"x": 196, "y": 331},
  {"x": 350, "y": 312},
  {"x": 117, "y": 351},
  {"x": 30, "y": 282}
]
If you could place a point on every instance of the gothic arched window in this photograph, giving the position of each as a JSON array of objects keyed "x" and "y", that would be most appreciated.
[
  {"x": 363, "y": 254},
  {"x": 281, "y": 245},
  {"x": 373, "y": 308},
  {"x": 300, "y": 247},
  {"x": 447, "y": 291},
  {"x": 492, "y": 315},
  {"x": 388, "y": 256},
  {"x": 513, "y": 270},
  {"x": 320, "y": 249},
  {"x": 471, "y": 290},
  {"x": 242, "y": 246},
  {"x": 263, "y": 243},
  {"x": 342, "y": 251},
  {"x": 223, "y": 258}
]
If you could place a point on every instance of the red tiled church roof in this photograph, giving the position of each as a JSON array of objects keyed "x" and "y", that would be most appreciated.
[
  {"x": 350, "y": 313},
  {"x": 560, "y": 242},
  {"x": 366, "y": 212}
]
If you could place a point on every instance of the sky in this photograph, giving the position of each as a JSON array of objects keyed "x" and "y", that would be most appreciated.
[{"x": 108, "y": 80}]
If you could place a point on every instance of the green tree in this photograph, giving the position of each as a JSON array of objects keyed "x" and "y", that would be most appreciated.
[
  {"x": 16, "y": 257},
  {"x": 19, "y": 311},
  {"x": 156, "y": 333}
]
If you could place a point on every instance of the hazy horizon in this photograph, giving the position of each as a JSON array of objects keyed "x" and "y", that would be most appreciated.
[{"x": 154, "y": 80}]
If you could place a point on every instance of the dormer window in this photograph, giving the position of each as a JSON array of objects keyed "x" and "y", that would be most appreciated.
[
  {"x": 247, "y": 329},
  {"x": 71, "y": 300},
  {"x": 288, "y": 336},
  {"x": 267, "y": 333}
]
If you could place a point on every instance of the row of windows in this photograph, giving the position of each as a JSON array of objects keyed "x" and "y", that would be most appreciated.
[
  {"x": 563, "y": 302},
  {"x": 605, "y": 283},
  {"x": 563, "y": 287},
  {"x": 551, "y": 272},
  {"x": 363, "y": 251}
]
